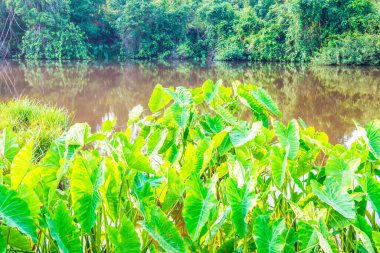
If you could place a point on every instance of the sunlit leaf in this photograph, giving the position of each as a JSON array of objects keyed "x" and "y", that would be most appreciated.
[
  {"x": 268, "y": 237},
  {"x": 376, "y": 239},
  {"x": 217, "y": 225},
  {"x": 240, "y": 135},
  {"x": 15, "y": 212},
  {"x": 63, "y": 230},
  {"x": 210, "y": 90},
  {"x": 138, "y": 161},
  {"x": 8, "y": 145},
  {"x": 111, "y": 189},
  {"x": 15, "y": 238},
  {"x": 188, "y": 166},
  {"x": 373, "y": 191},
  {"x": 241, "y": 201},
  {"x": 161, "y": 229},
  {"x": 198, "y": 204},
  {"x": 80, "y": 134},
  {"x": 307, "y": 237},
  {"x": 324, "y": 243},
  {"x": 342, "y": 170},
  {"x": 365, "y": 240},
  {"x": 22, "y": 164},
  {"x": 124, "y": 239},
  {"x": 135, "y": 114},
  {"x": 159, "y": 98},
  {"x": 264, "y": 98},
  {"x": 334, "y": 196},
  {"x": 279, "y": 163},
  {"x": 373, "y": 135},
  {"x": 289, "y": 136},
  {"x": 85, "y": 182}
]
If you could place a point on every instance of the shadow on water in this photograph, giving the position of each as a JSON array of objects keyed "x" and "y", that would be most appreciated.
[{"x": 329, "y": 98}]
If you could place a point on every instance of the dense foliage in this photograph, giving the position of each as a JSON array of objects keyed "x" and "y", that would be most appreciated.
[
  {"x": 261, "y": 30},
  {"x": 212, "y": 169}
]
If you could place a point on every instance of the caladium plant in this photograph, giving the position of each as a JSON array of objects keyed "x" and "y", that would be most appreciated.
[{"x": 210, "y": 169}]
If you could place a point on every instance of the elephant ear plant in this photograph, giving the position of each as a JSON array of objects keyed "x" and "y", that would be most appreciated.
[{"x": 210, "y": 169}]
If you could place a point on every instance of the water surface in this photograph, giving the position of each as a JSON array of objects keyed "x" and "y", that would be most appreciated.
[{"x": 329, "y": 98}]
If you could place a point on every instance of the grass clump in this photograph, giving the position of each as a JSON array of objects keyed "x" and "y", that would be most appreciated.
[{"x": 32, "y": 120}]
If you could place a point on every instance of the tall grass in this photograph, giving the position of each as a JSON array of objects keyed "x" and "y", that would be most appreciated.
[{"x": 32, "y": 119}]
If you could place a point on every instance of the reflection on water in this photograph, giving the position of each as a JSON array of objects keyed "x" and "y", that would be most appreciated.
[{"x": 328, "y": 98}]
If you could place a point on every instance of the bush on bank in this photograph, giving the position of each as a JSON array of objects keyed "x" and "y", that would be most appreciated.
[{"x": 210, "y": 169}]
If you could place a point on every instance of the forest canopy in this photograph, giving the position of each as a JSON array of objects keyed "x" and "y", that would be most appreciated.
[{"x": 323, "y": 31}]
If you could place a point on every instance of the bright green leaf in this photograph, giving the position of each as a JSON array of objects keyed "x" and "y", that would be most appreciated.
[
  {"x": 159, "y": 98},
  {"x": 63, "y": 230}
]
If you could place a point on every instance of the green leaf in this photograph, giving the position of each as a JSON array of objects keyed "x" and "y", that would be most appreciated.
[
  {"x": 3, "y": 243},
  {"x": 217, "y": 225},
  {"x": 373, "y": 135},
  {"x": 279, "y": 162},
  {"x": 342, "y": 170},
  {"x": 365, "y": 240},
  {"x": 376, "y": 239},
  {"x": 324, "y": 243},
  {"x": 181, "y": 95},
  {"x": 138, "y": 161},
  {"x": 80, "y": 134},
  {"x": 181, "y": 114},
  {"x": 135, "y": 114},
  {"x": 241, "y": 201},
  {"x": 198, "y": 204},
  {"x": 289, "y": 136},
  {"x": 158, "y": 225},
  {"x": 63, "y": 230},
  {"x": 210, "y": 90},
  {"x": 203, "y": 155},
  {"x": 265, "y": 99},
  {"x": 21, "y": 164},
  {"x": 85, "y": 183},
  {"x": 156, "y": 140},
  {"x": 108, "y": 125},
  {"x": 188, "y": 163},
  {"x": 250, "y": 101},
  {"x": 54, "y": 166},
  {"x": 15, "y": 239},
  {"x": 159, "y": 99},
  {"x": 268, "y": 238},
  {"x": 9, "y": 146},
  {"x": 15, "y": 212},
  {"x": 226, "y": 115},
  {"x": 335, "y": 196},
  {"x": 307, "y": 237},
  {"x": 124, "y": 239},
  {"x": 373, "y": 191},
  {"x": 240, "y": 135},
  {"x": 110, "y": 190}
]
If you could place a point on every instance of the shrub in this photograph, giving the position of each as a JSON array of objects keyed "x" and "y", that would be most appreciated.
[
  {"x": 230, "y": 49},
  {"x": 32, "y": 120},
  {"x": 350, "y": 49},
  {"x": 212, "y": 169},
  {"x": 62, "y": 43}
]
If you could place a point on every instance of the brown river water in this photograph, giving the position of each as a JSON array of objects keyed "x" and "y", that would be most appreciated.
[{"x": 329, "y": 98}]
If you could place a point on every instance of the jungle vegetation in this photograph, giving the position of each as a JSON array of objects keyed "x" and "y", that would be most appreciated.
[
  {"x": 208, "y": 169},
  {"x": 323, "y": 31}
]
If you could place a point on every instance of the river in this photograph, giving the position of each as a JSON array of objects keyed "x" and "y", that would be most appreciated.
[{"x": 328, "y": 98}]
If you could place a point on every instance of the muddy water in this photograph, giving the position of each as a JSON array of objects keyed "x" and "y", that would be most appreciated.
[{"x": 329, "y": 98}]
